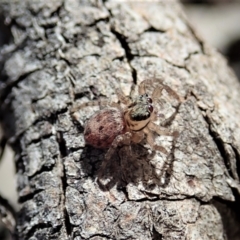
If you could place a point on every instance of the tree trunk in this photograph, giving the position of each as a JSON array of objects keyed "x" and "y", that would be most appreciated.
[{"x": 65, "y": 52}]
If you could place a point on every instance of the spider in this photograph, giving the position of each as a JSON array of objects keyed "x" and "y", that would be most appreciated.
[{"x": 116, "y": 125}]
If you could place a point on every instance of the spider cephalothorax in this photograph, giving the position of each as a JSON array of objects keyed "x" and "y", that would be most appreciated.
[
  {"x": 138, "y": 113},
  {"x": 115, "y": 125}
]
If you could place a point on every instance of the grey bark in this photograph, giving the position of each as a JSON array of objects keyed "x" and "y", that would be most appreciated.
[{"x": 70, "y": 51}]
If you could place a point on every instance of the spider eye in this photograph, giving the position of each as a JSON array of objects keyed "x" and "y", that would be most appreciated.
[
  {"x": 150, "y": 108},
  {"x": 149, "y": 100}
]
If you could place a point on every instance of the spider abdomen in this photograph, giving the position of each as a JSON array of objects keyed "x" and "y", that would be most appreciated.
[{"x": 103, "y": 127}]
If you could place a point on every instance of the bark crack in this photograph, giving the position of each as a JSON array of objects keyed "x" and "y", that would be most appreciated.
[
  {"x": 220, "y": 145},
  {"x": 104, "y": 19},
  {"x": 7, "y": 89},
  {"x": 217, "y": 140},
  {"x": 44, "y": 168},
  {"x": 100, "y": 235},
  {"x": 41, "y": 226},
  {"x": 63, "y": 151},
  {"x": 123, "y": 41},
  {"x": 237, "y": 155},
  {"x": 29, "y": 196},
  {"x": 179, "y": 66},
  {"x": 197, "y": 38},
  {"x": 129, "y": 56},
  {"x": 51, "y": 119}
]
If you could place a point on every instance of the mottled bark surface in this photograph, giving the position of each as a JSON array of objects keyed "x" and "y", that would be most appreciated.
[{"x": 63, "y": 52}]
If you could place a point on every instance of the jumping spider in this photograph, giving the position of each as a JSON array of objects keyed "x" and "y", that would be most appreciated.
[{"x": 117, "y": 125}]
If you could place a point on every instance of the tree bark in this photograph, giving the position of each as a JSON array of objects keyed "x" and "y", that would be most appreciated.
[{"x": 63, "y": 52}]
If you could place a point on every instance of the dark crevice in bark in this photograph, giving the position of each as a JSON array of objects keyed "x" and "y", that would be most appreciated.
[
  {"x": 193, "y": 32},
  {"x": 38, "y": 140},
  {"x": 220, "y": 145},
  {"x": 100, "y": 235},
  {"x": 148, "y": 199},
  {"x": 231, "y": 205},
  {"x": 55, "y": 230},
  {"x": 34, "y": 229},
  {"x": 57, "y": 12},
  {"x": 177, "y": 66},
  {"x": 6, "y": 34},
  {"x": 68, "y": 225},
  {"x": 190, "y": 55},
  {"x": 237, "y": 155},
  {"x": 8, "y": 206},
  {"x": 182, "y": 197},
  {"x": 52, "y": 117},
  {"x": 44, "y": 168},
  {"x": 230, "y": 162},
  {"x": 48, "y": 25},
  {"x": 72, "y": 149},
  {"x": 62, "y": 145},
  {"x": 118, "y": 58},
  {"x": 156, "y": 235},
  {"x": 80, "y": 129},
  {"x": 218, "y": 141},
  {"x": 4, "y": 92},
  {"x": 153, "y": 29},
  {"x": 229, "y": 210},
  {"x": 236, "y": 204},
  {"x": 134, "y": 75},
  {"x": 97, "y": 21},
  {"x": 64, "y": 152},
  {"x": 81, "y": 95},
  {"x": 122, "y": 39},
  {"x": 96, "y": 93},
  {"x": 29, "y": 196},
  {"x": 35, "y": 100},
  {"x": 67, "y": 40},
  {"x": 122, "y": 188}
]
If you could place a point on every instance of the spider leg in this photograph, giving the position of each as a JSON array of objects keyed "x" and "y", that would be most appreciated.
[
  {"x": 124, "y": 139},
  {"x": 142, "y": 87},
  {"x": 100, "y": 103},
  {"x": 161, "y": 130},
  {"x": 172, "y": 93},
  {"x": 137, "y": 137},
  {"x": 126, "y": 100},
  {"x": 151, "y": 141},
  {"x": 115, "y": 105},
  {"x": 168, "y": 120},
  {"x": 157, "y": 90}
]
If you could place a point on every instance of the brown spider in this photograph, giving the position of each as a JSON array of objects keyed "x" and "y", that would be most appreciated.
[{"x": 117, "y": 125}]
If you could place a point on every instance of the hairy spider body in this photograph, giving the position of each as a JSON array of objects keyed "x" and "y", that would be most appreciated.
[
  {"x": 103, "y": 127},
  {"x": 117, "y": 125}
]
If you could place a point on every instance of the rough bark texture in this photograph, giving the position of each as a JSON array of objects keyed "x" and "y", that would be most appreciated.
[{"x": 70, "y": 51}]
